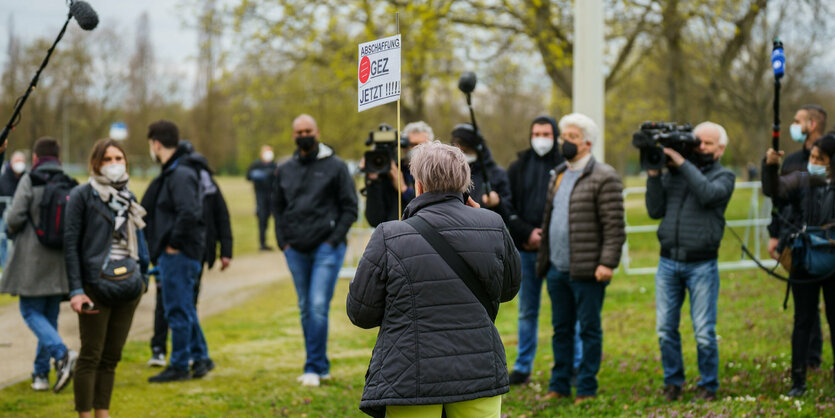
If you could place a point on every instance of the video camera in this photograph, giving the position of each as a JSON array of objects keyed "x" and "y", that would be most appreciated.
[
  {"x": 653, "y": 137},
  {"x": 385, "y": 142}
]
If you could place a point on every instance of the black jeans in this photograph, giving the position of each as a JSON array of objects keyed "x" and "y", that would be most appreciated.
[
  {"x": 806, "y": 299},
  {"x": 262, "y": 210},
  {"x": 160, "y": 337},
  {"x": 103, "y": 336}
]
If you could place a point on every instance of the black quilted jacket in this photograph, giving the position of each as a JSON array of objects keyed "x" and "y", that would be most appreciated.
[{"x": 436, "y": 343}]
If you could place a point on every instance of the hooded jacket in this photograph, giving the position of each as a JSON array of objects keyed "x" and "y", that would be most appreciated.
[
  {"x": 314, "y": 200},
  {"x": 175, "y": 208},
  {"x": 215, "y": 212},
  {"x": 436, "y": 343},
  {"x": 529, "y": 176}
]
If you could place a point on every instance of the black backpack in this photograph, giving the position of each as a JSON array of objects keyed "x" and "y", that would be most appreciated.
[{"x": 56, "y": 195}]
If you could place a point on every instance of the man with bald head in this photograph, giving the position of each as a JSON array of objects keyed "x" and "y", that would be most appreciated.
[
  {"x": 314, "y": 203},
  {"x": 691, "y": 197}
]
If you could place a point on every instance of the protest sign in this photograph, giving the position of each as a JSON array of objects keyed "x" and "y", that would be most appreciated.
[{"x": 378, "y": 71}]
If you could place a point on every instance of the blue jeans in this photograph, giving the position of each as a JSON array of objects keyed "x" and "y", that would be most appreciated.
[
  {"x": 575, "y": 301},
  {"x": 41, "y": 315},
  {"x": 314, "y": 276},
  {"x": 178, "y": 273},
  {"x": 530, "y": 295},
  {"x": 701, "y": 280},
  {"x": 4, "y": 243}
]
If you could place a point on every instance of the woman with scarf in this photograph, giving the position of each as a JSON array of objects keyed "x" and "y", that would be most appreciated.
[
  {"x": 107, "y": 261},
  {"x": 816, "y": 193}
]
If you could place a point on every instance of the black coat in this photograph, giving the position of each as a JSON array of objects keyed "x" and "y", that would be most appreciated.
[
  {"x": 8, "y": 184},
  {"x": 215, "y": 212},
  {"x": 529, "y": 176},
  {"x": 436, "y": 343},
  {"x": 314, "y": 200},
  {"x": 498, "y": 181},
  {"x": 175, "y": 209},
  {"x": 262, "y": 175},
  {"x": 786, "y": 209},
  {"x": 88, "y": 237}
]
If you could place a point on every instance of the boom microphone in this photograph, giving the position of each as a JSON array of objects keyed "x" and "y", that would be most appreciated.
[
  {"x": 467, "y": 82},
  {"x": 84, "y": 15}
]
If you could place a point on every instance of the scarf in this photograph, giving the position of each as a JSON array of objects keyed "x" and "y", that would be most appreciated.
[{"x": 128, "y": 212}]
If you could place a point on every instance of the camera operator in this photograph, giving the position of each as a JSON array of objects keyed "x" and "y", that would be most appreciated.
[
  {"x": 691, "y": 197},
  {"x": 381, "y": 191},
  {"x": 468, "y": 140},
  {"x": 808, "y": 125}
]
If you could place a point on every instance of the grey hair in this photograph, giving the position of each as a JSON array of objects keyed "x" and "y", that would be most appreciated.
[
  {"x": 591, "y": 133},
  {"x": 723, "y": 135},
  {"x": 440, "y": 168},
  {"x": 418, "y": 127}
]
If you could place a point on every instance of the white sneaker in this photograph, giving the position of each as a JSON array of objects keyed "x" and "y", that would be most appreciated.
[
  {"x": 309, "y": 379},
  {"x": 326, "y": 376},
  {"x": 40, "y": 382},
  {"x": 157, "y": 360}
]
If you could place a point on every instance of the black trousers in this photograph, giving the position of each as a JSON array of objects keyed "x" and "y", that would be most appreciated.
[
  {"x": 806, "y": 298},
  {"x": 262, "y": 210},
  {"x": 160, "y": 338}
]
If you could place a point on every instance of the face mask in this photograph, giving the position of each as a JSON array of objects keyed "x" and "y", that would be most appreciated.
[
  {"x": 702, "y": 160},
  {"x": 541, "y": 145},
  {"x": 471, "y": 158},
  {"x": 154, "y": 157},
  {"x": 569, "y": 150},
  {"x": 267, "y": 156},
  {"x": 18, "y": 167},
  {"x": 306, "y": 143},
  {"x": 797, "y": 133},
  {"x": 113, "y": 172},
  {"x": 816, "y": 170}
]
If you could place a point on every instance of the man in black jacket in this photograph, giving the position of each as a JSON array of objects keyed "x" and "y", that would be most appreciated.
[
  {"x": 262, "y": 173},
  {"x": 176, "y": 240},
  {"x": 498, "y": 200},
  {"x": 314, "y": 205},
  {"x": 808, "y": 125},
  {"x": 691, "y": 197},
  {"x": 218, "y": 231},
  {"x": 529, "y": 176}
]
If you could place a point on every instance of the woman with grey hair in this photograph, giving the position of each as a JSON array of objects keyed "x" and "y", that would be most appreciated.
[{"x": 437, "y": 349}]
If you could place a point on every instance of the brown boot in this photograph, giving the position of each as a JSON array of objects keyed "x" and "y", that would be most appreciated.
[
  {"x": 554, "y": 395},
  {"x": 583, "y": 398}
]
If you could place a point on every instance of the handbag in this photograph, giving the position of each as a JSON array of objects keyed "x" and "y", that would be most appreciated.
[
  {"x": 813, "y": 250},
  {"x": 119, "y": 281}
]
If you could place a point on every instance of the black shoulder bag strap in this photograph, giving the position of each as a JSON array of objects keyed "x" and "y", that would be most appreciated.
[{"x": 454, "y": 261}]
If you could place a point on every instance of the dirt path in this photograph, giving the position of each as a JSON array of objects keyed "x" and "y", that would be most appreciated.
[{"x": 219, "y": 291}]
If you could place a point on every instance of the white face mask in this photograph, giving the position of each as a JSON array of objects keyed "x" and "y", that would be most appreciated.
[
  {"x": 471, "y": 158},
  {"x": 18, "y": 167},
  {"x": 113, "y": 172},
  {"x": 154, "y": 157},
  {"x": 542, "y": 145},
  {"x": 267, "y": 156}
]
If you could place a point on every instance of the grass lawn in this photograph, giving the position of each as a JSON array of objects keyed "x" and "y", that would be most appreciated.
[{"x": 259, "y": 351}]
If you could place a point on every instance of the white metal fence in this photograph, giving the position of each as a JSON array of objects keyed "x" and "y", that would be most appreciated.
[{"x": 753, "y": 236}]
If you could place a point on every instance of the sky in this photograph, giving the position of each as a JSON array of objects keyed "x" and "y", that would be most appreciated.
[{"x": 172, "y": 41}]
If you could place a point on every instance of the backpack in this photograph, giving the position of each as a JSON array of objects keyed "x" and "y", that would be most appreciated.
[{"x": 56, "y": 195}]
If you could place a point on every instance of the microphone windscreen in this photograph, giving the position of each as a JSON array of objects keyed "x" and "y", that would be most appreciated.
[
  {"x": 84, "y": 15},
  {"x": 467, "y": 82}
]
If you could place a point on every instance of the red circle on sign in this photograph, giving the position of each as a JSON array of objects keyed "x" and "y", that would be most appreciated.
[{"x": 365, "y": 69}]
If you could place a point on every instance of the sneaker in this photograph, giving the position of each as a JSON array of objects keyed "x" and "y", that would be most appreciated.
[
  {"x": 797, "y": 391},
  {"x": 157, "y": 359},
  {"x": 703, "y": 394},
  {"x": 63, "y": 370},
  {"x": 519, "y": 378},
  {"x": 40, "y": 382},
  {"x": 170, "y": 374},
  {"x": 326, "y": 376},
  {"x": 202, "y": 367},
  {"x": 672, "y": 393},
  {"x": 309, "y": 379},
  {"x": 266, "y": 248}
]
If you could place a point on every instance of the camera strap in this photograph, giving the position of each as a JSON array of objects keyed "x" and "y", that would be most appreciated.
[{"x": 454, "y": 260}]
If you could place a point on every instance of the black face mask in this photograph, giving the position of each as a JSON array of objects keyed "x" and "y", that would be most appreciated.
[
  {"x": 568, "y": 150},
  {"x": 701, "y": 160},
  {"x": 306, "y": 143}
]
